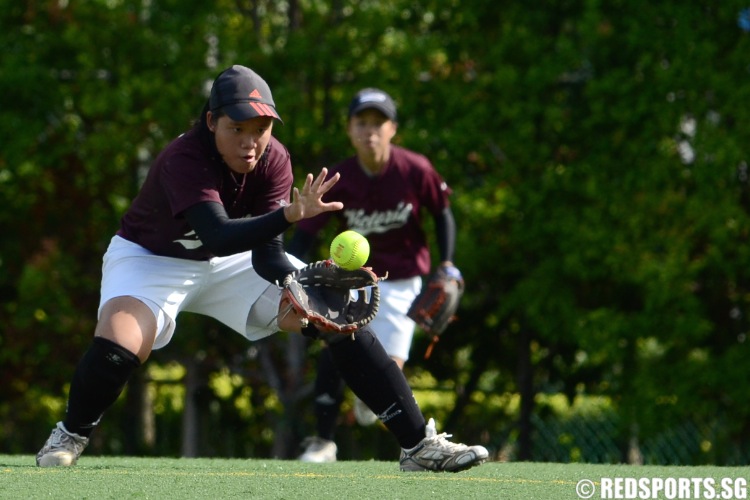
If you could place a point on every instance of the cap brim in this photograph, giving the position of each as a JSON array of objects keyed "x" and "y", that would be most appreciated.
[
  {"x": 387, "y": 112},
  {"x": 243, "y": 111}
]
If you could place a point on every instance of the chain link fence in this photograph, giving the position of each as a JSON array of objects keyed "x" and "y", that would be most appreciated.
[{"x": 600, "y": 440}]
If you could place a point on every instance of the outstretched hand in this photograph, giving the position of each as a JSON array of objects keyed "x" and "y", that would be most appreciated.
[{"x": 308, "y": 201}]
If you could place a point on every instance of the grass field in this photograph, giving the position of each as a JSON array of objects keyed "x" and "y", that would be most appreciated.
[{"x": 167, "y": 478}]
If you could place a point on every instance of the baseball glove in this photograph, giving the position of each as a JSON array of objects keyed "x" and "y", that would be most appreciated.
[
  {"x": 333, "y": 299},
  {"x": 436, "y": 305}
]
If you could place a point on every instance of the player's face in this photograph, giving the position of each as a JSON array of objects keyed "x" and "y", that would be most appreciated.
[
  {"x": 241, "y": 144},
  {"x": 370, "y": 132}
]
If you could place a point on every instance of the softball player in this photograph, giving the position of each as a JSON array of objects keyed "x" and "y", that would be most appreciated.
[
  {"x": 204, "y": 234},
  {"x": 386, "y": 191}
]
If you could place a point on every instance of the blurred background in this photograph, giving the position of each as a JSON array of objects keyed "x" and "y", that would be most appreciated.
[{"x": 598, "y": 153}]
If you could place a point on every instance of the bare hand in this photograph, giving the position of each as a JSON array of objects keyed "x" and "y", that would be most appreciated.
[{"x": 308, "y": 202}]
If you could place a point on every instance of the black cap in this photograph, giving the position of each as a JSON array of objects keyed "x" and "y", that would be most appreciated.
[
  {"x": 242, "y": 94},
  {"x": 371, "y": 98}
]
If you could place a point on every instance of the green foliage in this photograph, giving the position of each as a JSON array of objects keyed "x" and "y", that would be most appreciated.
[{"x": 596, "y": 150}]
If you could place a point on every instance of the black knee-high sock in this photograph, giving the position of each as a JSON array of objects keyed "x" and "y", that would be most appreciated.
[
  {"x": 329, "y": 393},
  {"x": 99, "y": 379},
  {"x": 377, "y": 380}
]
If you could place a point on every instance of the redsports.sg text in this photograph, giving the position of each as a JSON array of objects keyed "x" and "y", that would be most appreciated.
[{"x": 683, "y": 488}]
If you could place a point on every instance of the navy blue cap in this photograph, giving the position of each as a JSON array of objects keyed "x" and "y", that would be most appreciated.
[{"x": 371, "y": 98}]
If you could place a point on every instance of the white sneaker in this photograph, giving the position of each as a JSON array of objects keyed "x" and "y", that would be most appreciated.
[
  {"x": 318, "y": 450},
  {"x": 364, "y": 415},
  {"x": 437, "y": 454},
  {"x": 62, "y": 448}
]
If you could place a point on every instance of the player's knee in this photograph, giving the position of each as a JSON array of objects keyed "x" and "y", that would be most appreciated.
[{"x": 129, "y": 323}]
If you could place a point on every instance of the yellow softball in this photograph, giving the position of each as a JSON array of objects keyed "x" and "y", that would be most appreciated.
[{"x": 350, "y": 250}]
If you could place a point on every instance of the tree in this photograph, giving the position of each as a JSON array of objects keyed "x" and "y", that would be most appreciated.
[{"x": 596, "y": 153}]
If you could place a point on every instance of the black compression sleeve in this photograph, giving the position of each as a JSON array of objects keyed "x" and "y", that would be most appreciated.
[
  {"x": 445, "y": 227},
  {"x": 98, "y": 381},
  {"x": 270, "y": 261},
  {"x": 223, "y": 236},
  {"x": 300, "y": 243}
]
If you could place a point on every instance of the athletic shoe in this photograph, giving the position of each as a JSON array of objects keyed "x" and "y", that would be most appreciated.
[
  {"x": 318, "y": 450},
  {"x": 437, "y": 454},
  {"x": 363, "y": 413},
  {"x": 62, "y": 448}
]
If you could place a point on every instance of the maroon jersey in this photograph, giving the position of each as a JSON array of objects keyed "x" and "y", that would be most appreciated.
[
  {"x": 387, "y": 208},
  {"x": 190, "y": 171}
]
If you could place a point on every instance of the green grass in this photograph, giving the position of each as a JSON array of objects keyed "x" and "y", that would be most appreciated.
[{"x": 166, "y": 478}]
